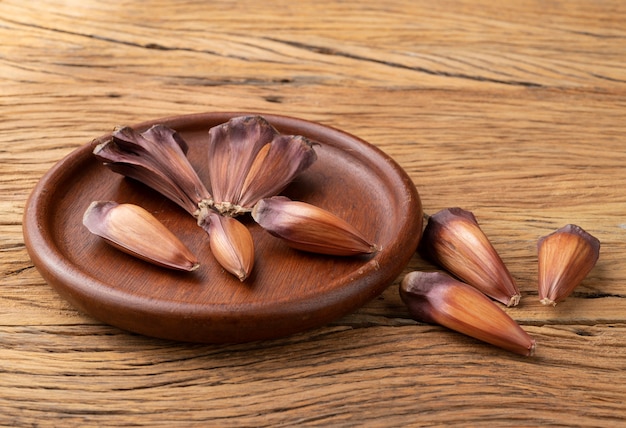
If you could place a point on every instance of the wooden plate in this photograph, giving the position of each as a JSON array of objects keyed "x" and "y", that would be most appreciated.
[{"x": 289, "y": 291}]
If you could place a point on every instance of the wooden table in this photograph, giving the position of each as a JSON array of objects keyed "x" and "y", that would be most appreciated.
[{"x": 516, "y": 112}]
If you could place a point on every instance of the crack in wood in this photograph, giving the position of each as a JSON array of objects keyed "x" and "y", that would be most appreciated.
[
  {"x": 312, "y": 48},
  {"x": 597, "y": 295},
  {"x": 334, "y": 52},
  {"x": 151, "y": 45}
]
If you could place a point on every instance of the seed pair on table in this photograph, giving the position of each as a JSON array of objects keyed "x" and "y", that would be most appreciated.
[{"x": 249, "y": 163}]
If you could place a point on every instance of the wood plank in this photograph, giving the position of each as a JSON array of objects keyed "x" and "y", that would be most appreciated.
[
  {"x": 333, "y": 376},
  {"x": 514, "y": 111}
]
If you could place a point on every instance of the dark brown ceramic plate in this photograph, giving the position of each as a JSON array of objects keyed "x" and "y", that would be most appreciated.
[{"x": 289, "y": 291}]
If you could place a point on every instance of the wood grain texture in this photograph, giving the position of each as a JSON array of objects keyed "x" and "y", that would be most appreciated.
[{"x": 516, "y": 112}]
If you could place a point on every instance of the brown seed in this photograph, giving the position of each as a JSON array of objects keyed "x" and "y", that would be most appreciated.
[
  {"x": 250, "y": 160},
  {"x": 453, "y": 240},
  {"x": 156, "y": 158},
  {"x": 231, "y": 244},
  {"x": 233, "y": 146},
  {"x": 437, "y": 298},
  {"x": 309, "y": 228},
  {"x": 275, "y": 167},
  {"x": 135, "y": 231},
  {"x": 255, "y": 169},
  {"x": 565, "y": 256}
]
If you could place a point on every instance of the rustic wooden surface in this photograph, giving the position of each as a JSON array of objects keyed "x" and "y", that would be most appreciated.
[{"x": 515, "y": 112}]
